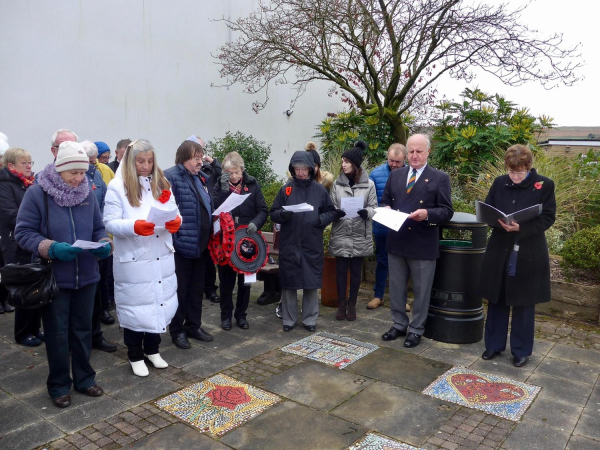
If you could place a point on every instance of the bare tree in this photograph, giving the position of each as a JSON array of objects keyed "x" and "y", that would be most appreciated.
[{"x": 384, "y": 56}]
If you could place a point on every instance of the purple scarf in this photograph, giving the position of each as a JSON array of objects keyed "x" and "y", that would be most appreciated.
[{"x": 63, "y": 194}]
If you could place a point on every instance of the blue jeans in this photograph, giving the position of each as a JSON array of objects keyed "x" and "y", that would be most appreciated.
[
  {"x": 381, "y": 271},
  {"x": 68, "y": 326}
]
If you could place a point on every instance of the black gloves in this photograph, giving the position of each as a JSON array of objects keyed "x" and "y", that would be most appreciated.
[
  {"x": 339, "y": 213},
  {"x": 363, "y": 213},
  {"x": 286, "y": 215}
]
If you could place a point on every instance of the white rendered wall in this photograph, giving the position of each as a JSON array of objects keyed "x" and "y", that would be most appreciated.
[{"x": 116, "y": 69}]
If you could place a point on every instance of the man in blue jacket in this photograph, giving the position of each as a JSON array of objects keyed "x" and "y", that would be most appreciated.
[{"x": 395, "y": 159}]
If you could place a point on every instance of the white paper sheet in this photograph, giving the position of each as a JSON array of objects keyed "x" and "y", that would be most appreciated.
[
  {"x": 232, "y": 202},
  {"x": 351, "y": 205},
  {"x": 302, "y": 207},
  {"x": 216, "y": 227},
  {"x": 160, "y": 217},
  {"x": 88, "y": 245},
  {"x": 249, "y": 278},
  {"x": 390, "y": 218}
]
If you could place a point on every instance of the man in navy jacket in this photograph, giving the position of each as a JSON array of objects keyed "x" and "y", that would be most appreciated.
[{"x": 424, "y": 194}]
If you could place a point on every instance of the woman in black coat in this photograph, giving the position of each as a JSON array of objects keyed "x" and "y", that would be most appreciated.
[
  {"x": 529, "y": 284},
  {"x": 301, "y": 240},
  {"x": 15, "y": 178},
  {"x": 253, "y": 213}
]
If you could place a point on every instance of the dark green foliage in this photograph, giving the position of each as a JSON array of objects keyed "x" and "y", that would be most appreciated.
[
  {"x": 588, "y": 167},
  {"x": 255, "y": 154},
  {"x": 270, "y": 192},
  {"x": 582, "y": 251}
]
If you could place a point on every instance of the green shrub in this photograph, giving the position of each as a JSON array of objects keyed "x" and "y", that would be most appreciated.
[
  {"x": 254, "y": 152},
  {"x": 270, "y": 192},
  {"x": 582, "y": 251}
]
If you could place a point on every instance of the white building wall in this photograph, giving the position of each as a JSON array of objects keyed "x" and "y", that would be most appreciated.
[{"x": 116, "y": 69}]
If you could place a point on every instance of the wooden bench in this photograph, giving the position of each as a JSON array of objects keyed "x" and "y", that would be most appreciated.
[{"x": 269, "y": 274}]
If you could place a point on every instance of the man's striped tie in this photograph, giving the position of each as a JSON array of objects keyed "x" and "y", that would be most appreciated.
[{"x": 411, "y": 182}]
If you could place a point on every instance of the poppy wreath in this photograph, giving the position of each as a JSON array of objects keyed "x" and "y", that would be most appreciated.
[
  {"x": 221, "y": 244},
  {"x": 240, "y": 271}
]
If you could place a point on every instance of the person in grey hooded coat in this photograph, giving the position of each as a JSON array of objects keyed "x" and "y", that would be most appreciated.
[{"x": 301, "y": 240}]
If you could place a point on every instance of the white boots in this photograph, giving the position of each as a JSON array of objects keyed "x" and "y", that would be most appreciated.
[{"x": 139, "y": 367}]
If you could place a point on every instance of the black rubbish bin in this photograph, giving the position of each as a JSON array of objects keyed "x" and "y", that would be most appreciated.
[{"x": 455, "y": 310}]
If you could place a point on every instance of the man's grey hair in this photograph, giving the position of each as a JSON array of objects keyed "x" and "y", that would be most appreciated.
[
  {"x": 90, "y": 148},
  {"x": 423, "y": 136},
  {"x": 62, "y": 130}
]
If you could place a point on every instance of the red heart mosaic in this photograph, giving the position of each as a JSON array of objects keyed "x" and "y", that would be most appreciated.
[{"x": 478, "y": 389}]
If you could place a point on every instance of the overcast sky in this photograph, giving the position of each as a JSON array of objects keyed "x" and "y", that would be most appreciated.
[{"x": 579, "y": 21}]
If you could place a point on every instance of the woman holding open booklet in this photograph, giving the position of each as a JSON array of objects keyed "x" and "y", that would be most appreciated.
[{"x": 516, "y": 268}]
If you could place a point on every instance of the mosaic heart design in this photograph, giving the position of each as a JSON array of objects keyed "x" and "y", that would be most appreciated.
[{"x": 478, "y": 389}]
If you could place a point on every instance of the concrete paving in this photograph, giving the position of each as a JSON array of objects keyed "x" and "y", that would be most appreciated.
[{"x": 322, "y": 407}]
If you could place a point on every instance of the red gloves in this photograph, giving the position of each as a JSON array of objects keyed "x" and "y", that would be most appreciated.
[
  {"x": 144, "y": 228},
  {"x": 173, "y": 225}
]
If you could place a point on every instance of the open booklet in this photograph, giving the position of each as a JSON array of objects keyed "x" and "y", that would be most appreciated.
[{"x": 488, "y": 214}]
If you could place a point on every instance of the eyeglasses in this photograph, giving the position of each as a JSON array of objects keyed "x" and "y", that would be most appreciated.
[
  {"x": 520, "y": 172},
  {"x": 27, "y": 163}
]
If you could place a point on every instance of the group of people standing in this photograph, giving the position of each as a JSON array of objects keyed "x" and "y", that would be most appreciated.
[{"x": 161, "y": 271}]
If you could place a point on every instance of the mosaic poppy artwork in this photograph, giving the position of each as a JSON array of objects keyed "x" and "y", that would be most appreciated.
[
  {"x": 492, "y": 394},
  {"x": 373, "y": 441},
  {"x": 331, "y": 349},
  {"x": 218, "y": 404}
]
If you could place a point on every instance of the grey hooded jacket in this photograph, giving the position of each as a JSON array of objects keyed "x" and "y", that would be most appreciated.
[{"x": 353, "y": 237}]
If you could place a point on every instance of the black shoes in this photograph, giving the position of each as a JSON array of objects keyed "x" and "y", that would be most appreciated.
[
  {"x": 226, "y": 324},
  {"x": 5, "y": 307},
  {"x": 489, "y": 354},
  {"x": 104, "y": 345},
  {"x": 243, "y": 324},
  {"x": 412, "y": 340},
  {"x": 213, "y": 297},
  {"x": 63, "y": 401},
  {"x": 519, "y": 361},
  {"x": 310, "y": 328},
  {"x": 181, "y": 341},
  {"x": 106, "y": 318},
  {"x": 200, "y": 335},
  {"x": 31, "y": 341},
  {"x": 393, "y": 334},
  {"x": 287, "y": 328}
]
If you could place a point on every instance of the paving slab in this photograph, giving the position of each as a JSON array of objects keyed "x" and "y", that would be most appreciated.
[
  {"x": 24, "y": 382},
  {"x": 144, "y": 392},
  {"x": 396, "y": 412},
  {"x": 74, "y": 419},
  {"x": 211, "y": 363},
  {"x": 16, "y": 415},
  {"x": 100, "y": 360},
  {"x": 249, "y": 349},
  {"x": 581, "y": 443},
  {"x": 594, "y": 400},
  {"x": 4, "y": 396},
  {"x": 553, "y": 413},
  {"x": 290, "y": 425},
  {"x": 568, "y": 370},
  {"x": 120, "y": 377},
  {"x": 561, "y": 390},
  {"x": 19, "y": 361},
  {"x": 179, "y": 358},
  {"x": 536, "y": 436},
  {"x": 589, "y": 425},
  {"x": 450, "y": 356},
  {"x": 578, "y": 355},
  {"x": 316, "y": 385},
  {"x": 177, "y": 437},
  {"x": 41, "y": 402},
  {"x": 503, "y": 369},
  {"x": 399, "y": 368},
  {"x": 31, "y": 436}
]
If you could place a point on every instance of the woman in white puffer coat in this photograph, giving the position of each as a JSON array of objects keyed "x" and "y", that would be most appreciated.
[{"x": 144, "y": 266}]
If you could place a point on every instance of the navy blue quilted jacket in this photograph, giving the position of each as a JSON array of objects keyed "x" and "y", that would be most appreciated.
[
  {"x": 380, "y": 175},
  {"x": 192, "y": 238}
]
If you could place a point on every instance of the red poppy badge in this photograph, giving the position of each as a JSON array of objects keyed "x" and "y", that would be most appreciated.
[
  {"x": 288, "y": 191},
  {"x": 538, "y": 185}
]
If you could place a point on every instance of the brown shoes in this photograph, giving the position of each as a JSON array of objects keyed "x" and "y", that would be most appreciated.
[
  {"x": 374, "y": 304},
  {"x": 63, "y": 401},
  {"x": 94, "y": 391}
]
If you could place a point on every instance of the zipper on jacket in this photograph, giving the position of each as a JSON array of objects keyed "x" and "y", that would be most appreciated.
[{"x": 76, "y": 258}]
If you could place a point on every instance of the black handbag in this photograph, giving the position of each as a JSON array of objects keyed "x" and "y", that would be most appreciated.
[{"x": 33, "y": 285}]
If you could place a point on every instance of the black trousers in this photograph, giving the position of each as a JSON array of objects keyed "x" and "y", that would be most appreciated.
[
  {"x": 227, "y": 278},
  {"x": 106, "y": 285},
  {"x": 190, "y": 291},
  {"x": 341, "y": 274},
  {"x": 522, "y": 329},
  {"x": 68, "y": 326},
  {"x": 210, "y": 276},
  {"x": 96, "y": 325},
  {"x": 27, "y": 323},
  {"x": 140, "y": 342}
]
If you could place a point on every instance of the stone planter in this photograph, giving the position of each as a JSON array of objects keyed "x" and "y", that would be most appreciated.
[{"x": 573, "y": 301}]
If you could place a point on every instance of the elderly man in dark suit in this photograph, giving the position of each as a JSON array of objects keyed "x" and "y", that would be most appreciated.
[{"x": 424, "y": 194}]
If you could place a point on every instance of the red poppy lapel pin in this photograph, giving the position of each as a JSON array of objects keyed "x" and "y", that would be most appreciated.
[
  {"x": 288, "y": 191},
  {"x": 538, "y": 185}
]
